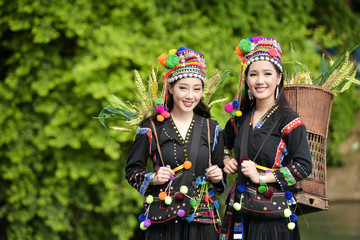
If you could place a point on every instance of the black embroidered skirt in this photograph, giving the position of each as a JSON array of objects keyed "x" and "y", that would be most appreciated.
[{"x": 180, "y": 230}]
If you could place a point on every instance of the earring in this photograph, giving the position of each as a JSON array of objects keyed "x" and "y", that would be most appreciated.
[
  {"x": 277, "y": 92},
  {"x": 251, "y": 97}
]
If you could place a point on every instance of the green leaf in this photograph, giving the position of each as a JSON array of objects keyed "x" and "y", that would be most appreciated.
[
  {"x": 323, "y": 65},
  {"x": 336, "y": 64}
]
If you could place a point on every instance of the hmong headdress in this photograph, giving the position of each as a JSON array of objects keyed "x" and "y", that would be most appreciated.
[
  {"x": 179, "y": 64},
  {"x": 251, "y": 50}
]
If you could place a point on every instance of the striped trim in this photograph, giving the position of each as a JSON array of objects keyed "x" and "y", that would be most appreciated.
[
  {"x": 288, "y": 176},
  {"x": 216, "y": 136},
  {"x": 148, "y": 132},
  {"x": 145, "y": 184},
  {"x": 291, "y": 126}
]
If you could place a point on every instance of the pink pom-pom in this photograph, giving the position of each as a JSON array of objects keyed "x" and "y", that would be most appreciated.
[
  {"x": 211, "y": 215},
  {"x": 147, "y": 223},
  {"x": 272, "y": 52},
  {"x": 203, "y": 65},
  {"x": 165, "y": 114},
  {"x": 229, "y": 107},
  {"x": 181, "y": 213},
  {"x": 160, "y": 108}
]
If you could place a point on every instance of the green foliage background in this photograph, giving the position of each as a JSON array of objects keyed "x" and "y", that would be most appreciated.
[{"x": 61, "y": 177}]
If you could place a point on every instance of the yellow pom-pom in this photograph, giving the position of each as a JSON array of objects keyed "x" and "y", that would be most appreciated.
[
  {"x": 160, "y": 118},
  {"x": 238, "y": 113},
  {"x": 173, "y": 51}
]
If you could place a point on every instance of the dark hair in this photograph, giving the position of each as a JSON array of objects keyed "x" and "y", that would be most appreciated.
[
  {"x": 247, "y": 104},
  {"x": 200, "y": 109}
]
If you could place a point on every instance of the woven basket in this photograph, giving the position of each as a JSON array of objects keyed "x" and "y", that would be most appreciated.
[{"x": 313, "y": 104}]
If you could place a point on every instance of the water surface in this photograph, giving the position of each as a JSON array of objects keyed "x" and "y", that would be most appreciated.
[{"x": 340, "y": 222}]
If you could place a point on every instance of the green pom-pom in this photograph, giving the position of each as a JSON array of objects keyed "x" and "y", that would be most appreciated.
[
  {"x": 172, "y": 60},
  {"x": 291, "y": 226},
  {"x": 149, "y": 199},
  {"x": 193, "y": 202},
  {"x": 184, "y": 189},
  {"x": 159, "y": 101},
  {"x": 168, "y": 200},
  {"x": 233, "y": 113},
  {"x": 245, "y": 45},
  {"x": 287, "y": 212},
  {"x": 261, "y": 189},
  {"x": 237, "y": 206},
  {"x": 142, "y": 226}
]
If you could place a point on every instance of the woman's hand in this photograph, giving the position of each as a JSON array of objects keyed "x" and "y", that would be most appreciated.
[
  {"x": 248, "y": 168},
  {"x": 231, "y": 165},
  {"x": 214, "y": 173},
  {"x": 163, "y": 175}
]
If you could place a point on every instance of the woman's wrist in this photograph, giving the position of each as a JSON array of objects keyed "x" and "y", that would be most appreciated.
[
  {"x": 262, "y": 178},
  {"x": 152, "y": 179}
]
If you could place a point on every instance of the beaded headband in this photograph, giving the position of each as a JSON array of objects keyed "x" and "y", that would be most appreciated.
[
  {"x": 179, "y": 64},
  {"x": 251, "y": 50}
]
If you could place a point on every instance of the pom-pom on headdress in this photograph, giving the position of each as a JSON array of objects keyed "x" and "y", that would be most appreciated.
[
  {"x": 179, "y": 64},
  {"x": 251, "y": 50}
]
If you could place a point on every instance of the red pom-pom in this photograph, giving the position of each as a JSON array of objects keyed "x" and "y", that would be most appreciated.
[
  {"x": 268, "y": 194},
  {"x": 179, "y": 196},
  {"x": 244, "y": 159},
  {"x": 165, "y": 114},
  {"x": 272, "y": 52}
]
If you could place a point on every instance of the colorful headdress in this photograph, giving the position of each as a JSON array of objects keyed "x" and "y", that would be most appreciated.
[
  {"x": 179, "y": 64},
  {"x": 251, "y": 50}
]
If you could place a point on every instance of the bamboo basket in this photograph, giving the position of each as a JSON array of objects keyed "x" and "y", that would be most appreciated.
[{"x": 313, "y": 104}]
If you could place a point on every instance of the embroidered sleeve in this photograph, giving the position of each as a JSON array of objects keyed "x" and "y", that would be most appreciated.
[
  {"x": 136, "y": 173},
  {"x": 295, "y": 142},
  {"x": 217, "y": 158}
]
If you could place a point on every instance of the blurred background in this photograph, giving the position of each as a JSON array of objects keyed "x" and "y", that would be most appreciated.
[{"x": 62, "y": 176}]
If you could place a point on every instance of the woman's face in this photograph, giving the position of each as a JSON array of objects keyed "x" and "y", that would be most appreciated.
[
  {"x": 186, "y": 93},
  {"x": 262, "y": 79}
]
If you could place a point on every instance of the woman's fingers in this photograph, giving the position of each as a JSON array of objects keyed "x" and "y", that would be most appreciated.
[
  {"x": 230, "y": 165},
  {"x": 214, "y": 173}
]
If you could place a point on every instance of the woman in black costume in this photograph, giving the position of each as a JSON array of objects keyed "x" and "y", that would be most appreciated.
[
  {"x": 285, "y": 154},
  {"x": 181, "y": 189}
]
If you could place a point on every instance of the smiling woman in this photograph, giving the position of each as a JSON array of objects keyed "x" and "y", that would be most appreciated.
[
  {"x": 186, "y": 148},
  {"x": 186, "y": 94},
  {"x": 270, "y": 146}
]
